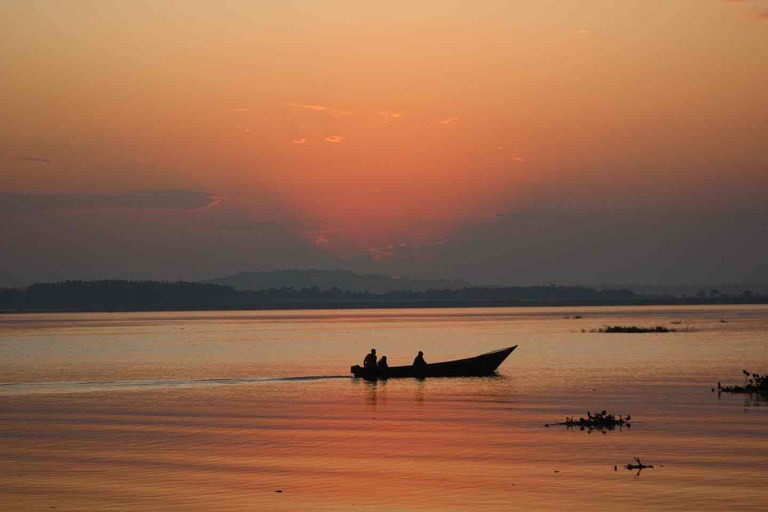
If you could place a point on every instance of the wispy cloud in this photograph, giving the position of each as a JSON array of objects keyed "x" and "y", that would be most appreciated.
[
  {"x": 307, "y": 107},
  {"x": 389, "y": 116},
  {"x": 420, "y": 253},
  {"x": 299, "y": 141},
  {"x": 30, "y": 159},
  {"x": 240, "y": 110},
  {"x": 449, "y": 120},
  {"x": 334, "y": 138},
  {"x": 754, "y": 15},
  {"x": 321, "y": 108},
  {"x": 582, "y": 32},
  {"x": 145, "y": 199}
]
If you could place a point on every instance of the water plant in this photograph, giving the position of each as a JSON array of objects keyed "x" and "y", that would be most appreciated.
[
  {"x": 753, "y": 383},
  {"x": 598, "y": 421},
  {"x": 636, "y": 329}
]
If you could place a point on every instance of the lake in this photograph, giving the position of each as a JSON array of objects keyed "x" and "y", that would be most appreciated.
[{"x": 220, "y": 410}]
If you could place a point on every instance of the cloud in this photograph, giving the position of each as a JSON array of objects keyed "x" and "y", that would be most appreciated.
[
  {"x": 31, "y": 159},
  {"x": 321, "y": 108},
  {"x": 307, "y": 107},
  {"x": 758, "y": 16},
  {"x": 516, "y": 155},
  {"x": 390, "y": 116},
  {"x": 449, "y": 121},
  {"x": 240, "y": 110},
  {"x": 299, "y": 141},
  {"x": 334, "y": 138},
  {"x": 146, "y": 199},
  {"x": 426, "y": 252},
  {"x": 582, "y": 32},
  {"x": 380, "y": 255}
]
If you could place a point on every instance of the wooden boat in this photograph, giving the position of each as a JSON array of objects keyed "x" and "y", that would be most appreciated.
[{"x": 484, "y": 364}]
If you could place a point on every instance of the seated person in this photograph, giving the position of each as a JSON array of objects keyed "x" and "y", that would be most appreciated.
[
  {"x": 370, "y": 359},
  {"x": 419, "y": 361},
  {"x": 383, "y": 362}
]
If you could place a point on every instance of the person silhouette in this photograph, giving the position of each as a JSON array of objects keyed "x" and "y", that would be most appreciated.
[
  {"x": 383, "y": 362},
  {"x": 419, "y": 361},
  {"x": 370, "y": 359}
]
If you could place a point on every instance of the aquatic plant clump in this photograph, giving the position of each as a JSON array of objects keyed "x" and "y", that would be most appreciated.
[
  {"x": 597, "y": 421},
  {"x": 636, "y": 329},
  {"x": 753, "y": 383}
]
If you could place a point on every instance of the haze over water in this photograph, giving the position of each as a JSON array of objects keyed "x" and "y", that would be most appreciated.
[{"x": 217, "y": 411}]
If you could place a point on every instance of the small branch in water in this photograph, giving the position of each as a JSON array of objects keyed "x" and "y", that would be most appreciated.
[{"x": 639, "y": 466}]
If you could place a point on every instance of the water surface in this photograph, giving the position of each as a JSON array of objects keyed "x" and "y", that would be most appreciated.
[{"x": 217, "y": 411}]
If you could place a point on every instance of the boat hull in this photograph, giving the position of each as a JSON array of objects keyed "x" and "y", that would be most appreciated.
[{"x": 482, "y": 365}]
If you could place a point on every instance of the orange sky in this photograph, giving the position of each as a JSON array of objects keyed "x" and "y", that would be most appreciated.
[{"x": 368, "y": 126}]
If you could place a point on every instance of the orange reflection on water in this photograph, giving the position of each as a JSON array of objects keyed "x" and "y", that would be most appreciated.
[{"x": 340, "y": 443}]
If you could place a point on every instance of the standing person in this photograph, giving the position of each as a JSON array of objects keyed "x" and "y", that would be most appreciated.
[
  {"x": 370, "y": 360},
  {"x": 419, "y": 361}
]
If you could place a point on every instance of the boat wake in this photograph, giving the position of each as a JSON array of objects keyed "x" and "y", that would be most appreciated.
[{"x": 28, "y": 388}]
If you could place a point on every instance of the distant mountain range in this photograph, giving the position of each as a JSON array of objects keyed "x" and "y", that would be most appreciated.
[{"x": 329, "y": 279}]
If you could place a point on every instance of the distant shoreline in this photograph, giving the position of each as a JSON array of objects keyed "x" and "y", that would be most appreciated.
[{"x": 399, "y": 304}]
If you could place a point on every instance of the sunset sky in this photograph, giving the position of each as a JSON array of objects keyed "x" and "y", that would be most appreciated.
[{"x": 514, "y": 142}]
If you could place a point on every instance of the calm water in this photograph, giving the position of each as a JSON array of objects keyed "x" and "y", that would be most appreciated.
[{"x": 217, "y": 411}]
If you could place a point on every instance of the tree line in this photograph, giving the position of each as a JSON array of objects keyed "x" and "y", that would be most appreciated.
[
  {"x": 117, "y": 295},
  {"x": 122, "y": 295}
]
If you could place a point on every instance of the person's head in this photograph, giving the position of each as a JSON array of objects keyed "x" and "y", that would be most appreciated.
[
  {"x": 383, "y": 358},
  {"x": 373, "y": 351},
  {"x": 421, "y": 353}
]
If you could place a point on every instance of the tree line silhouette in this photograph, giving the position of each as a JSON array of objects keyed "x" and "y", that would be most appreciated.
[{"x": 122, "y": 295}]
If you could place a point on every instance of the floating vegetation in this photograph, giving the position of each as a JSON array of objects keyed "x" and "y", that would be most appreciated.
[
  {"x": 610, "y": 329},
  {"x": 601, "y": 421},
  {"x": 753, "y": 383},
  {"x": 677, "y": 322}
]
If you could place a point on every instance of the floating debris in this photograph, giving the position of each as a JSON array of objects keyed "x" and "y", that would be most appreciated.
[
  {"x": 601, "y": 421},
  {"x": 753, "y": 383},
  {"x": 636, "y": 329},
  {"x": 639, "y": 466}
]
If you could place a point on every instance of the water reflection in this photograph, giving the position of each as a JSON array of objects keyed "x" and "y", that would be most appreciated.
[{"x": 375, "y": 390}]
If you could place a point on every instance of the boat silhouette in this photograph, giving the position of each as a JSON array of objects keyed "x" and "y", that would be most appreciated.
[{"x": 478, "y": 366}]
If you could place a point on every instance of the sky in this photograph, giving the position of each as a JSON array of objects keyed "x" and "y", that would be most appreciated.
[{"x": 508, "y": 142}]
